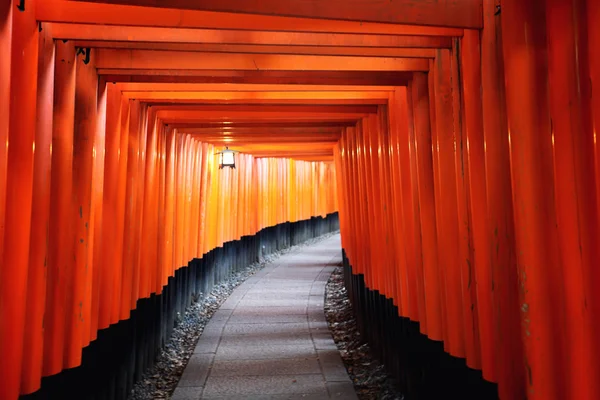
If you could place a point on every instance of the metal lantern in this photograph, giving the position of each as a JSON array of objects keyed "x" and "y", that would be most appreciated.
[{"x": 226, "y": 158}]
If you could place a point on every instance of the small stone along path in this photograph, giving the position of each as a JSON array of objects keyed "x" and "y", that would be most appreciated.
[{"x": 270, "y": 339}]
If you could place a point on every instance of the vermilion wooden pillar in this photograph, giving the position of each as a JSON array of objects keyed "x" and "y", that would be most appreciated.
[
  {"x": 138, "y": 272},
  {"x": 541, "y": 296},
  {"x": 19, "y": 189},
  {"x": 162, "y": 265},
  {"x": 369, "y": 217},
  {"x": 474, "y": 161},
  {"x": 211, "y": 214},
  {"x": 60, "y": 239},
  {"x": 351, "y": 183},
  {"x": 441, "y": 271},
  {"x": 38, "y": 254},
  {"x": 195, "y": 199},
  {"x": 410, "y": 185},
  {"x": 576, "y": 210},
  {"x": 188, "y": 151},
  {"x": 203, "y": 199},
  {"x": 132, "y": 181},
  {"x": 169, "y": 203},
  {"x": 6, "y": 9},
  {"x": 466, "y": 262},
  {"x": 97, "y": 209},
  {"x": 592, "y": 11},
  {"x": 157, "y": 279},
  {"x": 149, "y": 228},
  {"x": 179, "y": 154},
  {"x": 358, "y": 165},
  {"x": 374, "y": 204},
  {"x": 591, "y": 31},
  {"x": 350, "y": 197},
  {"x": 339, "y": 160},
  {"x": 352, "y": 190},
  {"x": 444, "y": 141},
  {"x": 121, "y": 204},
  {"x": 354, "y": 252},
  {"x": 388, "y": 214},
  {"x": 80, "y": 273},
  {"x": 423, "y": 146},
  {"x": 501, "y": 237},
  {"x": 399, "y": 169},
  {"x": 110, "y": 259}
]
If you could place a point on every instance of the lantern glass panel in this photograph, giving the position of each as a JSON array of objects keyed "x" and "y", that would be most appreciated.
[{"x": 227, "y": 159}]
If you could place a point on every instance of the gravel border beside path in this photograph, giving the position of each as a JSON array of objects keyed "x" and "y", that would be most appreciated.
[
  {"x": 160, "y": 381},
  {"x": 371, "y": 381}
]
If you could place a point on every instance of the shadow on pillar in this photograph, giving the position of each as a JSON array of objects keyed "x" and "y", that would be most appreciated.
[
  {"x": 117, "y": 359},
  {"x": 420, "y": 365}
]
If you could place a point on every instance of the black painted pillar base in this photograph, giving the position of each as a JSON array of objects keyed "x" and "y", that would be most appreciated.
[
  {"x": 420, "y": 365},
  {"x": 117, "y": 359}
]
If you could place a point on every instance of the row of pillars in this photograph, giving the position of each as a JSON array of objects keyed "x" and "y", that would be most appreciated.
[
  {"x": 100, "y": 202},
  {"x": 491, "y": 211}
]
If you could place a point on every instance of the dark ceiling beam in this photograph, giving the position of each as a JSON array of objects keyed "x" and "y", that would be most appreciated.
[{"x": 290, "y": 77}]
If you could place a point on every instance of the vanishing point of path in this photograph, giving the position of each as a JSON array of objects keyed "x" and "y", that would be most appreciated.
[{"x": 270, "y": 339}]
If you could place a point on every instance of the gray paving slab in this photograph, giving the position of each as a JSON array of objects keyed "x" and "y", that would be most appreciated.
[
  {"x": 230, "y": 303},
  {"x": 247, "y": 309},
  {"x": 274, "y": 302},
  {"x": 264, "y": 384},
  {"x": 221, "y": 315},
  {"x": 186, "y": 393},
  {"x": 317, "y": 289},
  {"x": 277, "y": 292},
  {"x": 315, "y": 314},
  {"x": 277, "y": 366},
  {"x": 266, "y": 340},
  {"x": 270, "y": 339},
  {"x": 245, "y": 339},
  {"x": 266, "y": 352},
  {"x": 246, "y": 329},
  {"x": 323, "y": 340},
  {"x": 266, "y": 319},
  {"x": 317, "y": 323},
  {"x": 333, "y": 367},
  {"x": 303, "y": 396},
  {"x": 341, "y": 390},
  {"x": 208, "y": 344},
  {"x": 316, "y": 302},
  {"x": 281, "y": 284},
  {"x": 196, "y": 371}
]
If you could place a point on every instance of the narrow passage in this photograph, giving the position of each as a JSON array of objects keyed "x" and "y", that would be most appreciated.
[{"x": 270, "y": 339}]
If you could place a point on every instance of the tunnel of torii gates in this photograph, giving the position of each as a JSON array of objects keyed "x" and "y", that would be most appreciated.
[{"x": 455, "y": 140}]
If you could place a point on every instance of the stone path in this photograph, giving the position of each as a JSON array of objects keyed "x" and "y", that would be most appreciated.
[{"x": 270, "y": 339}]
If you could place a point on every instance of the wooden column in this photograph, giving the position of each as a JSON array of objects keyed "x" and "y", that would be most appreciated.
[
  {"x": 501, "y": 236},
  {"x": 20, "y": 142},
  {"x": 6, "y": 9},
  {"x": 110, "y": 259},
  {"x": 80, "y": 273},
  {"x": 576, "y": 212},
  {"x": 39, "y": 251},
  {"x": 474, "y": 162},
  {"x": 530, "y": 136},
  {"x": 423, "y": 145}
]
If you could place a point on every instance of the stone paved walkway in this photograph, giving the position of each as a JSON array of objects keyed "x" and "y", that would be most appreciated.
[{"x": 270, "y": 339}]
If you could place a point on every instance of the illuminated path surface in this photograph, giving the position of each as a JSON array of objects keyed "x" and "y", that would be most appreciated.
[{"x": 270, "y": 339}]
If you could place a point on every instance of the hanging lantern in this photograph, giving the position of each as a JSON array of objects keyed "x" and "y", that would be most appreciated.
[{"x": 226, "y": 158}]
